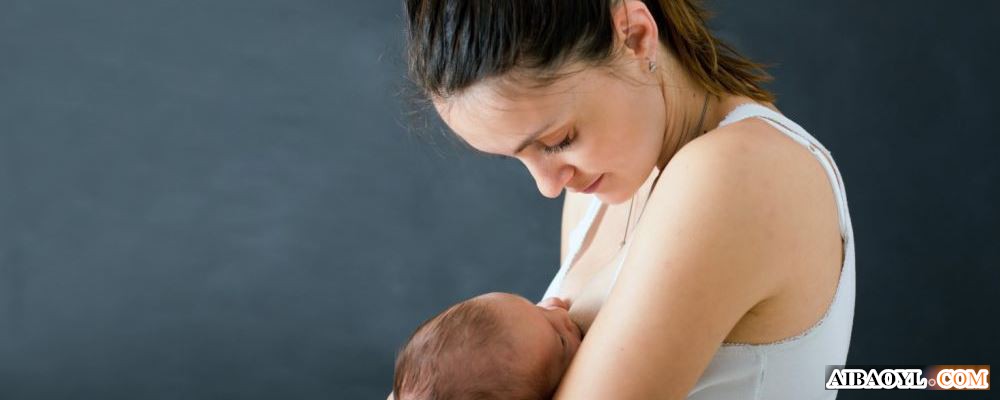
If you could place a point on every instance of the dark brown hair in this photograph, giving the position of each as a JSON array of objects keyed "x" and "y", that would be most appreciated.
[
  {"x": 464, "y": 353},
  {"x": 453, "y": 44}
]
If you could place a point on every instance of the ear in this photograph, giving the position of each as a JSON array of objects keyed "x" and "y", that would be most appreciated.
[{"x": 635, "y": 26}]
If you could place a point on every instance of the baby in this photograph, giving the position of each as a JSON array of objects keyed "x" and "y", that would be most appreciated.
[{"x": 494, "y": 346}]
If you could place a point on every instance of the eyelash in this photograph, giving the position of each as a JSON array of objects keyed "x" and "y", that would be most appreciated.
[
  {"x": 562, "y": 145},
  {"x": 546, "y": 149}
]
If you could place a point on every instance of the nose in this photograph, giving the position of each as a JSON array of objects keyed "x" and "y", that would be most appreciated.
[{"x": 550, "y": 181}]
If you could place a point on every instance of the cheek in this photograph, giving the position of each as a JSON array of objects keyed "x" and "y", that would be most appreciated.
[
  {"x": 607, "y": 153},
  {"x": 620, "y": 154}
]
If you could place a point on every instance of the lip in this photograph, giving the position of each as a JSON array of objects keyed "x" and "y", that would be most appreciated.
[{"x": 593, "y": 186}]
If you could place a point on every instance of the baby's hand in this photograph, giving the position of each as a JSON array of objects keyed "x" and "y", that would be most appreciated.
[{"x": 555, "y": 302}]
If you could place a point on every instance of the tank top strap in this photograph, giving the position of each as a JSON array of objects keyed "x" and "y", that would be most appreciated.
[
  {"x": 576, "y": 238},
  {"x": 581, "y": 230},
  {"x": 800, "y": 135}
]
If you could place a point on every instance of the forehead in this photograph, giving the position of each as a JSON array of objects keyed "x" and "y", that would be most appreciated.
[
  {"x": 526, "y": 319},
  {"x": 495, "y": 115},
  {"x": 516, "y": 310}
]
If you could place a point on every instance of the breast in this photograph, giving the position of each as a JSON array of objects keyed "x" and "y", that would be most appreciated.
[{"x": 587, "y": 302}]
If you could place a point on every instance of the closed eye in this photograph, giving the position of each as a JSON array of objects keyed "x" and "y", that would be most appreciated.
[{"x": 568, "y": 140}]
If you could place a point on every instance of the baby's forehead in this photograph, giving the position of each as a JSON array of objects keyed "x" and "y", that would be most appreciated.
[
  {"x": 510, "y": 309},
  {"x": 515, "y": 312}
]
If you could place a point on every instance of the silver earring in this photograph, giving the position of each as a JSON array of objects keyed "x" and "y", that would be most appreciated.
[{"x": 652, "y": 65}]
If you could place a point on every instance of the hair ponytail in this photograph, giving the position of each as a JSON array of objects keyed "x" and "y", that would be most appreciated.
[{"x": 713, "y": 63}]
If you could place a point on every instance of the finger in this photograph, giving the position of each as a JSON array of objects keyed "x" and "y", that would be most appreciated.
[{"x": 554, "y": 302}]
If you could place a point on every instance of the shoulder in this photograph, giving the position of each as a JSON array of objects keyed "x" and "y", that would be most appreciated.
[
  {"x": 704, "y": 254},
  {"x": 736, "y": 185},
  {"x": 750, "y": 142},
  {"x": 752, "y": 185},
  {"x": 749, "y": 165},
  {"x": 735, "y": 167}
]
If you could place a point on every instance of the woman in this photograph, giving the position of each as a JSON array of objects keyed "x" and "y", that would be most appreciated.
[{"x": 711, "y": 232}]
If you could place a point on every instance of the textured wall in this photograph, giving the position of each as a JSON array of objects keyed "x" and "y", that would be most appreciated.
[{"x": 222, "y": 199}]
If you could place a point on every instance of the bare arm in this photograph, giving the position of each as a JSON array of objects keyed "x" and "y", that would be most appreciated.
[{"x": 708, "y": 243}]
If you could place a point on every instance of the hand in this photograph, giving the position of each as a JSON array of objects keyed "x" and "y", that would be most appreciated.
[{"x": 555, "y": 302}]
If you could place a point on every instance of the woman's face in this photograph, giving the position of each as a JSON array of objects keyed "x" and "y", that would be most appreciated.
[{"x": 585, "y": 127}]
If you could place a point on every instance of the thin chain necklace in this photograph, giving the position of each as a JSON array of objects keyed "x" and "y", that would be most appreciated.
[{"x": 628, "y": 218}]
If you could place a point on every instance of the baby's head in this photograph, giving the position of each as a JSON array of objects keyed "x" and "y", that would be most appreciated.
[{"x": 494, "y": 346}]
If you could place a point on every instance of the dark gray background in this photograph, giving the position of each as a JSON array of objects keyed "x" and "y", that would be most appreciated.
[{"x": 225, "y": 199}]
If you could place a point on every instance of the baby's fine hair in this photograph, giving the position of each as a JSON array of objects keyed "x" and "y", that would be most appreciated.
[{"x": 464, "y": 353}]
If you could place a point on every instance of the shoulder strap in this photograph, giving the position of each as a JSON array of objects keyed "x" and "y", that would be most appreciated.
[
  {"x": 576, "y": 237},
  {"x": 581, "y": 230},
  {"x": 800, "y": 135}
]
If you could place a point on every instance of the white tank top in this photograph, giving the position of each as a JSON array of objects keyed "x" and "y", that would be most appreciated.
[{"x": 791, "y": 368}]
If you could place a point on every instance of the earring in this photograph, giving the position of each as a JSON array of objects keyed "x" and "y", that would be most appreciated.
[{"x": 652, "y": 65}]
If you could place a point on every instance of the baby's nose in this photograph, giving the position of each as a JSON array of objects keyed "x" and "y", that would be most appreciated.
[{"x": 554, "y": 302}]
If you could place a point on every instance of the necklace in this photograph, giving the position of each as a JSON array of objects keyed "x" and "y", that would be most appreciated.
[{"x": 628, "y": 218}]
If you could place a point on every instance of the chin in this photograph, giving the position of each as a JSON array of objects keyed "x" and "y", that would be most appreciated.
[
  {"x": 612, "y": 198},
  {"x": 616, "y": 197}
]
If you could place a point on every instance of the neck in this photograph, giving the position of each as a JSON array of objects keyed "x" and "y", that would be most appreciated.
[{"x": 684, "y": 99}]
